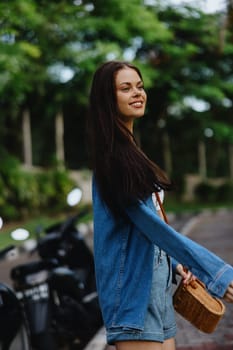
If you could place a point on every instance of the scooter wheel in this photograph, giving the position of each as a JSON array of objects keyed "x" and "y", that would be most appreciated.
[{"x": 44, "y": 341}]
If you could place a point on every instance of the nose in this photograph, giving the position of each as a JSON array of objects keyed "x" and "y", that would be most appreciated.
[{"x": 136, "y": 91}]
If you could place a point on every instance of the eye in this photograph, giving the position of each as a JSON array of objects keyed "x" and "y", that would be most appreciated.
[{"x": 125, "y": 89}]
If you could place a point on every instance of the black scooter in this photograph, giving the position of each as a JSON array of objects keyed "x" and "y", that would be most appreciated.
[
  {"x": 13, "y": 324},
  {"x": 58, "y": 292}
]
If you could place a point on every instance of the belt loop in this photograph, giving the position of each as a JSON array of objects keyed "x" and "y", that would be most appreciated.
[{"x": 160, "y": 255}]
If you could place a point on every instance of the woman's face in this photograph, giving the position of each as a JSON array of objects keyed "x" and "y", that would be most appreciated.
[{"x": 131, "y": 96}]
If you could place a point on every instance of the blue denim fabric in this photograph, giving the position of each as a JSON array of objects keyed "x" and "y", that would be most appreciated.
[
  {"x": 160, "y": 321},
  {"x": 124, "y": 253}
]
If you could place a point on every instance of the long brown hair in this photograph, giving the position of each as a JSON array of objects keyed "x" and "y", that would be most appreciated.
[{"x": 124, "y": 174}]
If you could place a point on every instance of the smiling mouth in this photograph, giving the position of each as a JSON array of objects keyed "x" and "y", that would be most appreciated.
[{"x": 137, "y": 104}]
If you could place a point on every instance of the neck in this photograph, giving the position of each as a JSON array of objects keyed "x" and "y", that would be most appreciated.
[{"x": 129, "y": 126}]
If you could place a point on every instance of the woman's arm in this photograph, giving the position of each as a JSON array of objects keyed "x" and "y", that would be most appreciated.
[
  {"x": 213, "y": 271},
  {"x": 186, "y": 275}
]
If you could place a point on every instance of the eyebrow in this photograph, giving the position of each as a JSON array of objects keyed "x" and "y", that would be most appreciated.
[{"x": 128, "y": 83}]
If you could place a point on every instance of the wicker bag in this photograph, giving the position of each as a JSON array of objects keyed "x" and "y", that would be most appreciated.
[
  {"x": 197, "y": 306},
  {"x": 193, "y": 301}
]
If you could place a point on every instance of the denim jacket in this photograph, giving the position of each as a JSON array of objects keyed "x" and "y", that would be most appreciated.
[{"x": 124, "y": 253}]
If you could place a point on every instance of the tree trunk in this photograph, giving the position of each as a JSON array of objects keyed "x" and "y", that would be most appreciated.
[
  {"x": 27, "y": 138},
  {"x": 59, "y": 130},
  {"x": 167, "y": 153},
  {"x": 202, "y": 160},
  {"x": 231, "y": 161}
]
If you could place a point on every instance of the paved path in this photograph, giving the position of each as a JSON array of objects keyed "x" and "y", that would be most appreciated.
[{"x": 215, "y": 232}]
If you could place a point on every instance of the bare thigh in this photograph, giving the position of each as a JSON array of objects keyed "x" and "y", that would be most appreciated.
[
  {"x": 169, "y": 344},
  {"x": 138, "y": 345}
]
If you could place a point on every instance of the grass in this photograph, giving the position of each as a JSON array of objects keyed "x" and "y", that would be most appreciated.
[
  {"x": 30, "y": 225},
  {"x": 40, "y": 222},
  {"x": 176, "y": 206}
]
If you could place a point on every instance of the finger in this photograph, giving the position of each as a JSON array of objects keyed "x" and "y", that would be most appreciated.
[
  {"x": 186, "y": 275},
  {"x": 229, "y": 290},
  {"x": 228, "y": 298},
  {"x": 229, "y": 295},
  {"x": 189, "y": 278},
  {"x": 180, "y": 269}
]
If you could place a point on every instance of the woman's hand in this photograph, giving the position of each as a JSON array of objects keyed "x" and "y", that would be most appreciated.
[
  {"x": 229, "y": 293},
  {"x": 186, "y": 275}
]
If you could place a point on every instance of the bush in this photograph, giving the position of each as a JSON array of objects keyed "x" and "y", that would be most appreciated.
[
  {"x": 215, "y": 194},
  {"x": 205, "y": 192},
  {"x": 225, "y": 192},
  {"x": 54, "y": 185},
  {"x": 25, "y": 193}
]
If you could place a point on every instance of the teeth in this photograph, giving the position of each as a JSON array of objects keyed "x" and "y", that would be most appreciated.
[{"x": 137, "y": 104}]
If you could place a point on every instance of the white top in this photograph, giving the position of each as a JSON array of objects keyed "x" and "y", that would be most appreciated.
[{"x": 154, "y": 199}]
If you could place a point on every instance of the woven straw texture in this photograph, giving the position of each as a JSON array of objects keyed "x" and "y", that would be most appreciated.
[{"x": 197, "y": 306}]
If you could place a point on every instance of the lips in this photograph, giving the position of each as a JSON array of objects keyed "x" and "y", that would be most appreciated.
[{"x": 137, "y": 103}]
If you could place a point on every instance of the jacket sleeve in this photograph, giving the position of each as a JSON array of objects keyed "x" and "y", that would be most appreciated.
[{"x": 208, "y": 267}]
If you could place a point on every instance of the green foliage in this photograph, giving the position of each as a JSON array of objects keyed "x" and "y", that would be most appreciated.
[
  {"x": 219, "y": 194},
  {"x": 205, "y": 192},
  {"x": 223, "y": 131},
  {"x": 25, "y": 193},
  {"x": 225, "y": 193},
  {"x": 54, "y": 185},
  {"x": 180, "y": 50}
]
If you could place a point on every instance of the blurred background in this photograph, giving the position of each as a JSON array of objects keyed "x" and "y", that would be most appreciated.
[{"x": 48, "y": 54}]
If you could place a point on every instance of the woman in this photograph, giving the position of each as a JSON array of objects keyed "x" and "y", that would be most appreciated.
[{"x": 135, "y": 251}]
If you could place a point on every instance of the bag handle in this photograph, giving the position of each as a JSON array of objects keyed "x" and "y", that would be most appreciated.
[
  {"x": 196, "y": 281},
  {"x": 193, "y": 283},
  {"x": 161, "y": 207}
]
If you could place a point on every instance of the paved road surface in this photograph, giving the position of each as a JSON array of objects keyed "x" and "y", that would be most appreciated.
[{"x": 215, "y": 232}]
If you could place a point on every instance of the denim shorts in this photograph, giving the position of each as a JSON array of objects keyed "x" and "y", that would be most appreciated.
[{"x": 160, "y": 321}]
